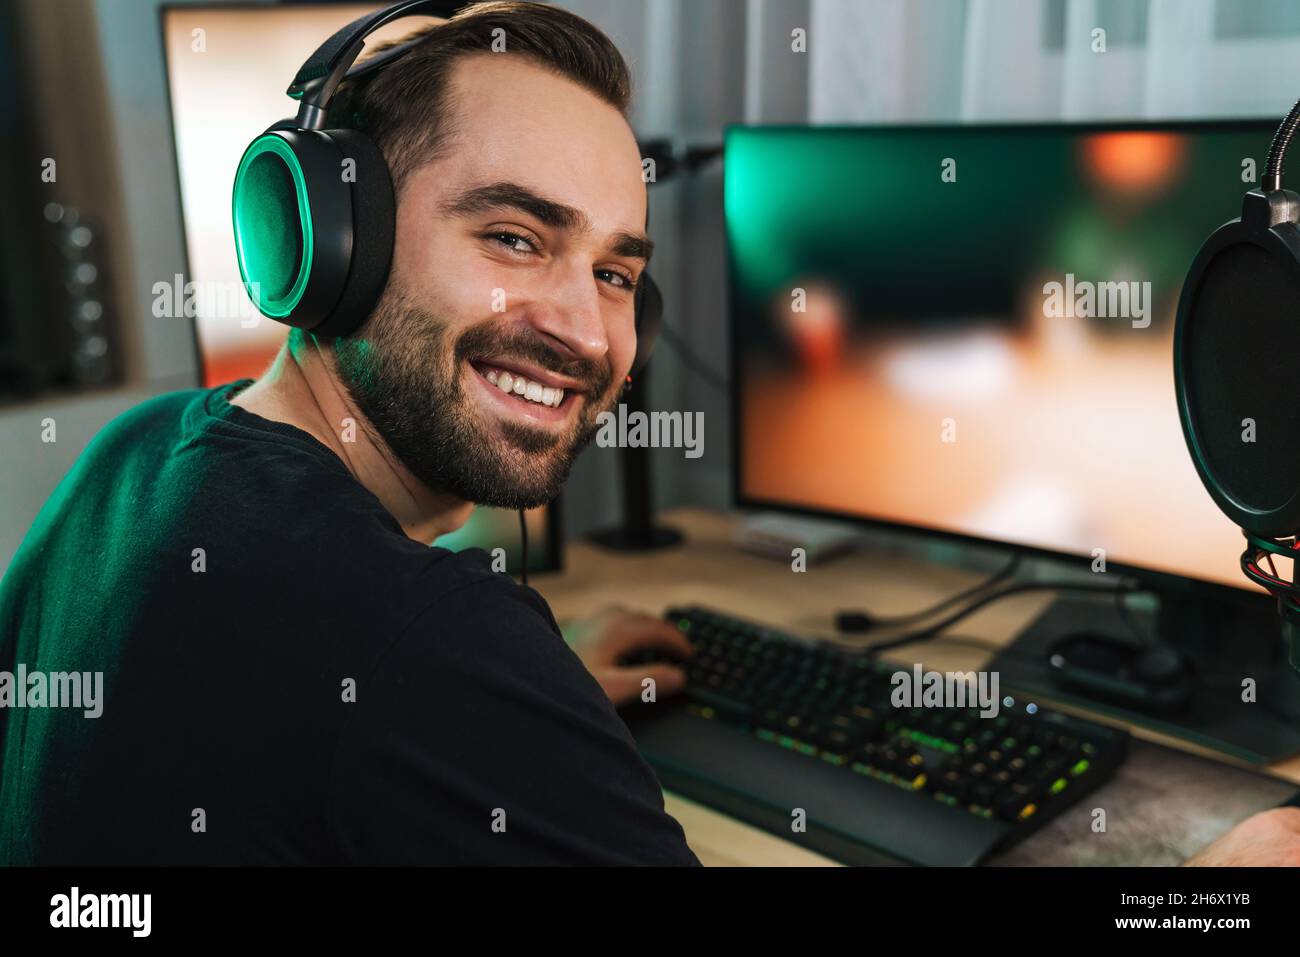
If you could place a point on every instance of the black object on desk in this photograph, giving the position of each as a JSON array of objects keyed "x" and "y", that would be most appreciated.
[
  {"x": 638, "y": 531},
  {"x": 773, "y": 724},
  {"x": 1149, "y": 676},
  {"x": 1245, "y": 699}
]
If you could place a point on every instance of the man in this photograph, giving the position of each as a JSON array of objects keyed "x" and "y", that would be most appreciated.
[{"x": 290, "y": 674}]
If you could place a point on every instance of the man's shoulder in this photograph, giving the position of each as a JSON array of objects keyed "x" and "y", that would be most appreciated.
[
  {"x": 476, "y": 635},
  {"x": 157, "y": 418},
  {"x": 477, "y": 610}
]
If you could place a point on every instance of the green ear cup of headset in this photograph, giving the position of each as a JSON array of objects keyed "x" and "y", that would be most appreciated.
[
  {"x": 313, "y": 220},
  {"x": 274, "y": 234}
]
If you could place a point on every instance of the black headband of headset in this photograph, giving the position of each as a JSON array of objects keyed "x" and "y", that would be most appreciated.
[{"x": 316, "y": 80}]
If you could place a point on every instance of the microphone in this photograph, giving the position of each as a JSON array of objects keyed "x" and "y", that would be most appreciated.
[{"x": 1236, "y": 351}]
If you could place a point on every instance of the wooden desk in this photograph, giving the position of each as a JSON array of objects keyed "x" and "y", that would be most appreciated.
[{"x": 710, "y": 570}]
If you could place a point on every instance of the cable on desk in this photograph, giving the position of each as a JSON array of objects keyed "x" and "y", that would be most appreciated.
[
  {"x": 927, "y": 633},
  {"x": 856, "y": 622}
]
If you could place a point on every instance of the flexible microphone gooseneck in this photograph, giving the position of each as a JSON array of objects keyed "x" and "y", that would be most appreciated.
[{"x": 1277, "y": 151}]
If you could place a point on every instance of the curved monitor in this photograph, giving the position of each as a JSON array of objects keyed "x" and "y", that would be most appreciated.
[{"x": 968, "y": 329}]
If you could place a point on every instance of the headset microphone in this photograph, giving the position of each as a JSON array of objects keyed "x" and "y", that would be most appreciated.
[{"x": 1236, "y": 353}]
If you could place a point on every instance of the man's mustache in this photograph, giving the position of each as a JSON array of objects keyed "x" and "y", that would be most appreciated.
[{"x": 484, "y": 342}]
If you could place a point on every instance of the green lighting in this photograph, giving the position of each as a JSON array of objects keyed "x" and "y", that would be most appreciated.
[
  {"x": 929, "y": 741},
  {"x": 273, "y": 227}
]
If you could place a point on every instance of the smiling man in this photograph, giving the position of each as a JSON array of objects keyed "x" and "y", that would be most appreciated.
[{"x": 291, "y": 674}]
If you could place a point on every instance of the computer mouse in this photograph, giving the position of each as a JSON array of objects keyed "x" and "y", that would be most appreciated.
[
  {"x": 1160, "y": 665},
  {"x": 1144, "y": 676}
]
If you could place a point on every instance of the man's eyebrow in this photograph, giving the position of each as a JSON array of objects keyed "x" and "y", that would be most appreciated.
[
  {"x": 506, "y": 195},
  {"x": 633, "y": 246},
  {"x": 480, "y": 199}
]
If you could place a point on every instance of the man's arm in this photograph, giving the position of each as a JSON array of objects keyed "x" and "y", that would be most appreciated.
[
  {"x": 1267, "y": 839},
  {"x": 482, "y": 739}
]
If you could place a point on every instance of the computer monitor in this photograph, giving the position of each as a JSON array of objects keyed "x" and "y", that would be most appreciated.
[
  {"x": 967, "y": 331},
  {"x": 912, "y": 343},
  {"x": 227, "y": 70}
]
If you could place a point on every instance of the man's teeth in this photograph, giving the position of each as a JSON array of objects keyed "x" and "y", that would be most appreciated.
[{"x": 532, "y": 391}]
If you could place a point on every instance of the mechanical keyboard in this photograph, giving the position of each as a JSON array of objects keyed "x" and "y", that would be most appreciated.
[{"x": 773, "y": 723}]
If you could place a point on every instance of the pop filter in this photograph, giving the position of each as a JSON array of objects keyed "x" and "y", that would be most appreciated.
[{"x": 1236, "y": 353}]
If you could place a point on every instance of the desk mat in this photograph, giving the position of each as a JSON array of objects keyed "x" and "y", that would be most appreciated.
[{"x": 1161, "y": 807}]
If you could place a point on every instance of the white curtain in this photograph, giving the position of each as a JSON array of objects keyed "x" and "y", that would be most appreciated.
[{"x": 875, "y": 61}]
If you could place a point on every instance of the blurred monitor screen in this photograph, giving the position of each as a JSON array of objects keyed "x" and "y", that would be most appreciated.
[{"x": 970, "y": 329}]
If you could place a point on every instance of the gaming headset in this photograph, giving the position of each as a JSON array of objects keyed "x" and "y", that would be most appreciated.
[
  {"x": 1236, "y": 356},
  {"x": 313, "y": 231}
]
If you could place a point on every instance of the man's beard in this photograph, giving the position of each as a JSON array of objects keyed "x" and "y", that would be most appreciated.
[{"x": 403, "y": 372}]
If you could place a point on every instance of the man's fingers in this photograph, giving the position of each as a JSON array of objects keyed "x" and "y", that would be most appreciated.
[
  {"x": 645, "y": 631},
  {"x": 625, "y": 685},
  {"x": 668, "y": 679},
  {"x": 620, "y": 685}
]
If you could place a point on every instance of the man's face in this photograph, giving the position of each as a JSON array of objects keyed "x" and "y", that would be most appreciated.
[{"x": 507, "y": 324}]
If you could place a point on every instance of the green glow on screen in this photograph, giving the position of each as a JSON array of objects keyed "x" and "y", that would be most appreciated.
[
  {"x": 273, "y": 228},
  {"x": 853, "y": 203},
  {"x": 865, "y": 210}
]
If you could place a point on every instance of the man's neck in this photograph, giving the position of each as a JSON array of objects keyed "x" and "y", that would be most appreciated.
[{"x": 302, "y": 389}]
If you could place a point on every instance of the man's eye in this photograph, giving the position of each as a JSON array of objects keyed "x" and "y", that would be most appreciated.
[
  {"x": 511, "y": 241},
  {"x": 617, "y": 279}
]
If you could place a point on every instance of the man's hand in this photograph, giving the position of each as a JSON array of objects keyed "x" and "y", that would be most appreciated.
[
  {"x": 615, "y": 633},
  {"x": 1268, "y": 839}
]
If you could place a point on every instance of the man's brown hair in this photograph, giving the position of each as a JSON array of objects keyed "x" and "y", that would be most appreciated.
[{"x": 406, "y": 107}]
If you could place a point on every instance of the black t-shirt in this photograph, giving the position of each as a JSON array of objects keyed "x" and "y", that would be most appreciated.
[{"x": 288, "y": 678}]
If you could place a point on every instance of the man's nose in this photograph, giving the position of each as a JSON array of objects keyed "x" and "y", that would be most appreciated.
[{"x": 570, "y": 315}]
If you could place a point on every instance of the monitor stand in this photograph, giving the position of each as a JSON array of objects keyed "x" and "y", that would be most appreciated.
[
  {"x": 1226, "y": 641},
  {"x": 638, "y": 531}
]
